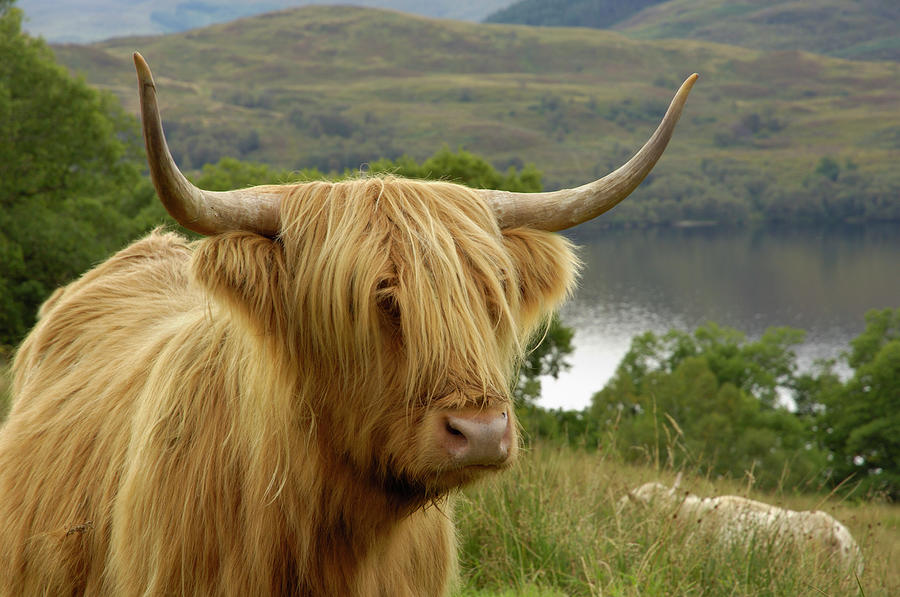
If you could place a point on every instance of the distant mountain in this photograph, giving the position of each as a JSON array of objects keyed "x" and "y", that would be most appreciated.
[
  {"x": 601, "y": 14},
  {"x": 857, "y": 29},
  {"x": 787, "y": 135},
  {"x": 85, "y": 21}
]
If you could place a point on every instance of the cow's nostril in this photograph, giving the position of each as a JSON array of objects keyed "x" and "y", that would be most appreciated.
[{"x": 453, "y": 430}]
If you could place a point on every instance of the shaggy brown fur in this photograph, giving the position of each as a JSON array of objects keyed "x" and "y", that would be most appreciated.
[{"x": 250, "y": 416}]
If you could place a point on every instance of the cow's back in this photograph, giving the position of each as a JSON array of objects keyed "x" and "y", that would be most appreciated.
[{"x": 74, "y": 390}]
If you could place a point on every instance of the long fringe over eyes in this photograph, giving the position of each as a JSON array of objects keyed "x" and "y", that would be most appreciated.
[{"x": 447, "y": 290}]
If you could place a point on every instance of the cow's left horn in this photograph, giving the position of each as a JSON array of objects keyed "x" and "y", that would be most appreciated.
[
  {"x": 255, "y": 209},
  {"x": 558, "y": 210}
]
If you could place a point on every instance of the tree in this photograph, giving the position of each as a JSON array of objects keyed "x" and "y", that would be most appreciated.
[
  {"x": 464, "y": 168},
  {"x": 829, "y": 168},
  {"x": 862, "y": 421},
  {"x": 229, "y": 173},
  {"x": 70, "y": 159},
  {"x": 709, "y": 399},
  {"x": 546, "y": 355}
]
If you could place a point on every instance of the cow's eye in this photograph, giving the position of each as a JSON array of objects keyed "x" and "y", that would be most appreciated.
[
  {"x": 386, "y": 300},
  {"x": 390, "y": 308}
]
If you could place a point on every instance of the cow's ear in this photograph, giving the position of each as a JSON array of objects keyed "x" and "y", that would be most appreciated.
[
  {"x": 245, "y": 272},
  {"x": 547, "y": 268}
]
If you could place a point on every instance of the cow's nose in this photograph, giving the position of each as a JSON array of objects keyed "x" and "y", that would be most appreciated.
[{"x": 477, "y": 437}]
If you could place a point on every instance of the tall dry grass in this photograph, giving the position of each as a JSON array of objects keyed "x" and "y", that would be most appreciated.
[
  {"x": 552, "y": 527},
  {"x": 5, "y": 383}
]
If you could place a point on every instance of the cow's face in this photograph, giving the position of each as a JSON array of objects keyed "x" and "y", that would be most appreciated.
[
  {"x": 411, "y": 309},
  {"x": 401, "y": 311}
]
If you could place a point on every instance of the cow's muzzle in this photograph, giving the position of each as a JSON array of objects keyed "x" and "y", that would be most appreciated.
[{"x": 473, "y": 437}]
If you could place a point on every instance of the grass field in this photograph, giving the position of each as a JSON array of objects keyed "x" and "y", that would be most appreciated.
[
  {"x": 4, "y": 385},
  {"x": 552, "y": 527}
]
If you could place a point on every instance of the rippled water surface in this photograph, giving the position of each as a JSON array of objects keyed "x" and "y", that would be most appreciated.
[{"x": 819, "y": 280}]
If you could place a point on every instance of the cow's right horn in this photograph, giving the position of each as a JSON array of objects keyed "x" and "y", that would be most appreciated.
[
  {"x": 255, "y": 209},
  {"x": 558, "y": 210}
]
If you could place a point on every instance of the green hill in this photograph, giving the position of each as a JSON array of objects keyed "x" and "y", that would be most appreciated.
[
  {"x": 860, "y": 30},
  {"x": 601, "y": 14},
  {"x": 782, "y": 135},
  {"x": 91, "y": 20}
]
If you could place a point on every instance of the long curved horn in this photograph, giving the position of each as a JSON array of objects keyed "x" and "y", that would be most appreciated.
[
  {"x": 255, "y": 209},
  {"x": 558, "y": 210}
]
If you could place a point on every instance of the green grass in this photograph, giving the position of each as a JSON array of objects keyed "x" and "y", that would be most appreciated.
[
  {"x": 527, "y": 591},
  {"x": 552, "y": 526},
  {"x": 5, "y": 385}
]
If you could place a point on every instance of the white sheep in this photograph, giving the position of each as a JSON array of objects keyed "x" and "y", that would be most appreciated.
[{"x": 736, "y": 518}]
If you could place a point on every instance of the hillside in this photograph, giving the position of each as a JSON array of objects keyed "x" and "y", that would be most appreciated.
[
  {"x": 787, "y": 133},
  {"x": 861, "y": 30},
  {"x": 92, "y": 20},
  {"x": 600, "y": 14}
]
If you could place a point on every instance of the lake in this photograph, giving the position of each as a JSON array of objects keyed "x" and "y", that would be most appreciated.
[{"x": 821, "y": 280}]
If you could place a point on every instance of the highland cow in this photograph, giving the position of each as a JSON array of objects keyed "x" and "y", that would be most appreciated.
[{"x": 285, "y": 406}]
